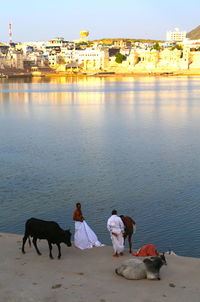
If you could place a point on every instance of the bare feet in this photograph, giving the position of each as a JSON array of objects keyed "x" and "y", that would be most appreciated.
[{"x": 115, "y": 255}]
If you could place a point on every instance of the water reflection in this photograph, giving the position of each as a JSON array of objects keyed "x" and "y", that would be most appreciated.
[{"x": 169, "y": 96}]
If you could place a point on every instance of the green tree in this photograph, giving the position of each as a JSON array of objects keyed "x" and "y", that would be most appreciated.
[
  {"x": 119, "y": 58},
  {"x": 179, "y": 47},
  {"x": 83, "y": 43},
  {"x": 156, "y": 46}
]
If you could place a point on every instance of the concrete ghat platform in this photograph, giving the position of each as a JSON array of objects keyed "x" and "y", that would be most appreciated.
[{"x": 88, "y": 276}]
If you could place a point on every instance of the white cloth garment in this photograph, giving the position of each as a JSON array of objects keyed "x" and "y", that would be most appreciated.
[
  {"x": 84, "y": 237},
  {"x": 118, "y": 243},
  {"x": 170, "y": 252},
  {"x": 115, "y": 225}
]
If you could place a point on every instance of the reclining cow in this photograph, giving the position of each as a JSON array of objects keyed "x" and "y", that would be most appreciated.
[
  {"x": 136, "y": 269},
  {"x": 49, "y": 230}
]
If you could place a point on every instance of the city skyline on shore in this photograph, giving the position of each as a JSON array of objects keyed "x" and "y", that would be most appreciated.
[{"x": 140, "y": 20}]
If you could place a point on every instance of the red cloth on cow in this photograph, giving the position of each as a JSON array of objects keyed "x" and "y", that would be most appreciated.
[{"x": 147, "y": 250}]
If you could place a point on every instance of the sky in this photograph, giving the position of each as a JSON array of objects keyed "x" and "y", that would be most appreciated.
[{"x": 40, "y": 20}]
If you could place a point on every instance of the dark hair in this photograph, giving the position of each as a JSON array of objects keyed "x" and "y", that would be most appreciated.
[
  {"x": 114, "y": 212},
  {"x": 78, "y": 204}
]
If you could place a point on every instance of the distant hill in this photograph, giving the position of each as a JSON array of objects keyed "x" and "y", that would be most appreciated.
[
  {"x": 194, "y": 34},
  {"x": 110, "y": 41}
]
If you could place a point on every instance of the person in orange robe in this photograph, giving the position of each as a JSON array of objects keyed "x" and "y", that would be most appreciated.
[{"x": 147, "y": 250}]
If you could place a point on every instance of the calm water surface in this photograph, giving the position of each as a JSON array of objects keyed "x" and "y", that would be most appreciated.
[{"x": 124, "y": 143}]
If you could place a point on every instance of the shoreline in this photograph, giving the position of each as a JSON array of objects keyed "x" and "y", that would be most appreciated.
[
  {"x": 185, "y": 73},
  {"x": 88, "y": 276}
]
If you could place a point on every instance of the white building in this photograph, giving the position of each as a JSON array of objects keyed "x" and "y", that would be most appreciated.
[
  {"x": 13, "y": 59},
  {"x": 87, "y": 59},
  {"x": 191, "y": 43},
  {"x": 176, "y": 35},
  {"x": 94, "y": 59}
]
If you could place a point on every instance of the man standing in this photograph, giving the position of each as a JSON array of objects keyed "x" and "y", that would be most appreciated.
[
  {"x": 130, "y": 228},
  {"x": 77, "y": 216},
  {"x": 116, "y": 228},
  {"x": 84, "y": 237}
]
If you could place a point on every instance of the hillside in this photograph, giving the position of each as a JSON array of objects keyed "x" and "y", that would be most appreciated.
[
  {"x": 194, "y": 34},
  {"x": 110, "y": 41}
]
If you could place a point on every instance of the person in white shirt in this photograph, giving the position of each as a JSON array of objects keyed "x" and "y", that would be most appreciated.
[{"x": 116, "y": 228}]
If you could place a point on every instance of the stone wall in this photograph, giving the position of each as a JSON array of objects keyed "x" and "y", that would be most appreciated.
[{"x": 158, "y": 61}]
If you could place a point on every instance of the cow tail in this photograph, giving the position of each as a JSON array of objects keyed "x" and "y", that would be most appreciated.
[{"x": 29, "y": 241}]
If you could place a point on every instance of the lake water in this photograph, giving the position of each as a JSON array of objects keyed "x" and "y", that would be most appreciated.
[{"x": 127, "y": 143}]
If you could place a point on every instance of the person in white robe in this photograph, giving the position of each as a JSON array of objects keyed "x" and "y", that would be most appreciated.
[
  {"x": 84, "y": 237},
  {"x": 116, "y": 228}
]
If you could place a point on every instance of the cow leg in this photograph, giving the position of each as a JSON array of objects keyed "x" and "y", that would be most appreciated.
[
  {"x": 24, "y": 241},
  {"x": 125, "y": 238},
  {"x": 50, "y": 249},
  {"x": 130, "y": 243},
  {"x": 35, "y": 245},
  {"x": 59, "y": 251}
]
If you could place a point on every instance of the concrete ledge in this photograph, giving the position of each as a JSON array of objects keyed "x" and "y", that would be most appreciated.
[{"x": 87, "y": 276}]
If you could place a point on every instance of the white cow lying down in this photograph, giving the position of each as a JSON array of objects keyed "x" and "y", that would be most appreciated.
[{"x": 137, "y": 269}]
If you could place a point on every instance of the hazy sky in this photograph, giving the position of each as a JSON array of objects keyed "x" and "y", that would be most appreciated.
[{"x": 44, "y": 20}]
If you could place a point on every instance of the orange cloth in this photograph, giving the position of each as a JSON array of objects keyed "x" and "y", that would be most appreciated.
[{"x": 147, "y": 250}]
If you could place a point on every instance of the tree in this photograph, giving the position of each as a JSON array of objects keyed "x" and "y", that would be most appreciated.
[
  {"x": 179, "y": 47},
  {"x": 156, "y": 46},
  {"x": 119, "y": 58},
  {"x": 82, "y": 43}
]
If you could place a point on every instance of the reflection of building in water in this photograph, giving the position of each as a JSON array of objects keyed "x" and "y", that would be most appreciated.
[
  {"x": 145, "y": 96},
  {"x": 21, "y": 92}
]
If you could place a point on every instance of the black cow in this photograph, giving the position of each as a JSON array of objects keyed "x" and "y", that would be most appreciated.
[{"x": 49, "y": 230}]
